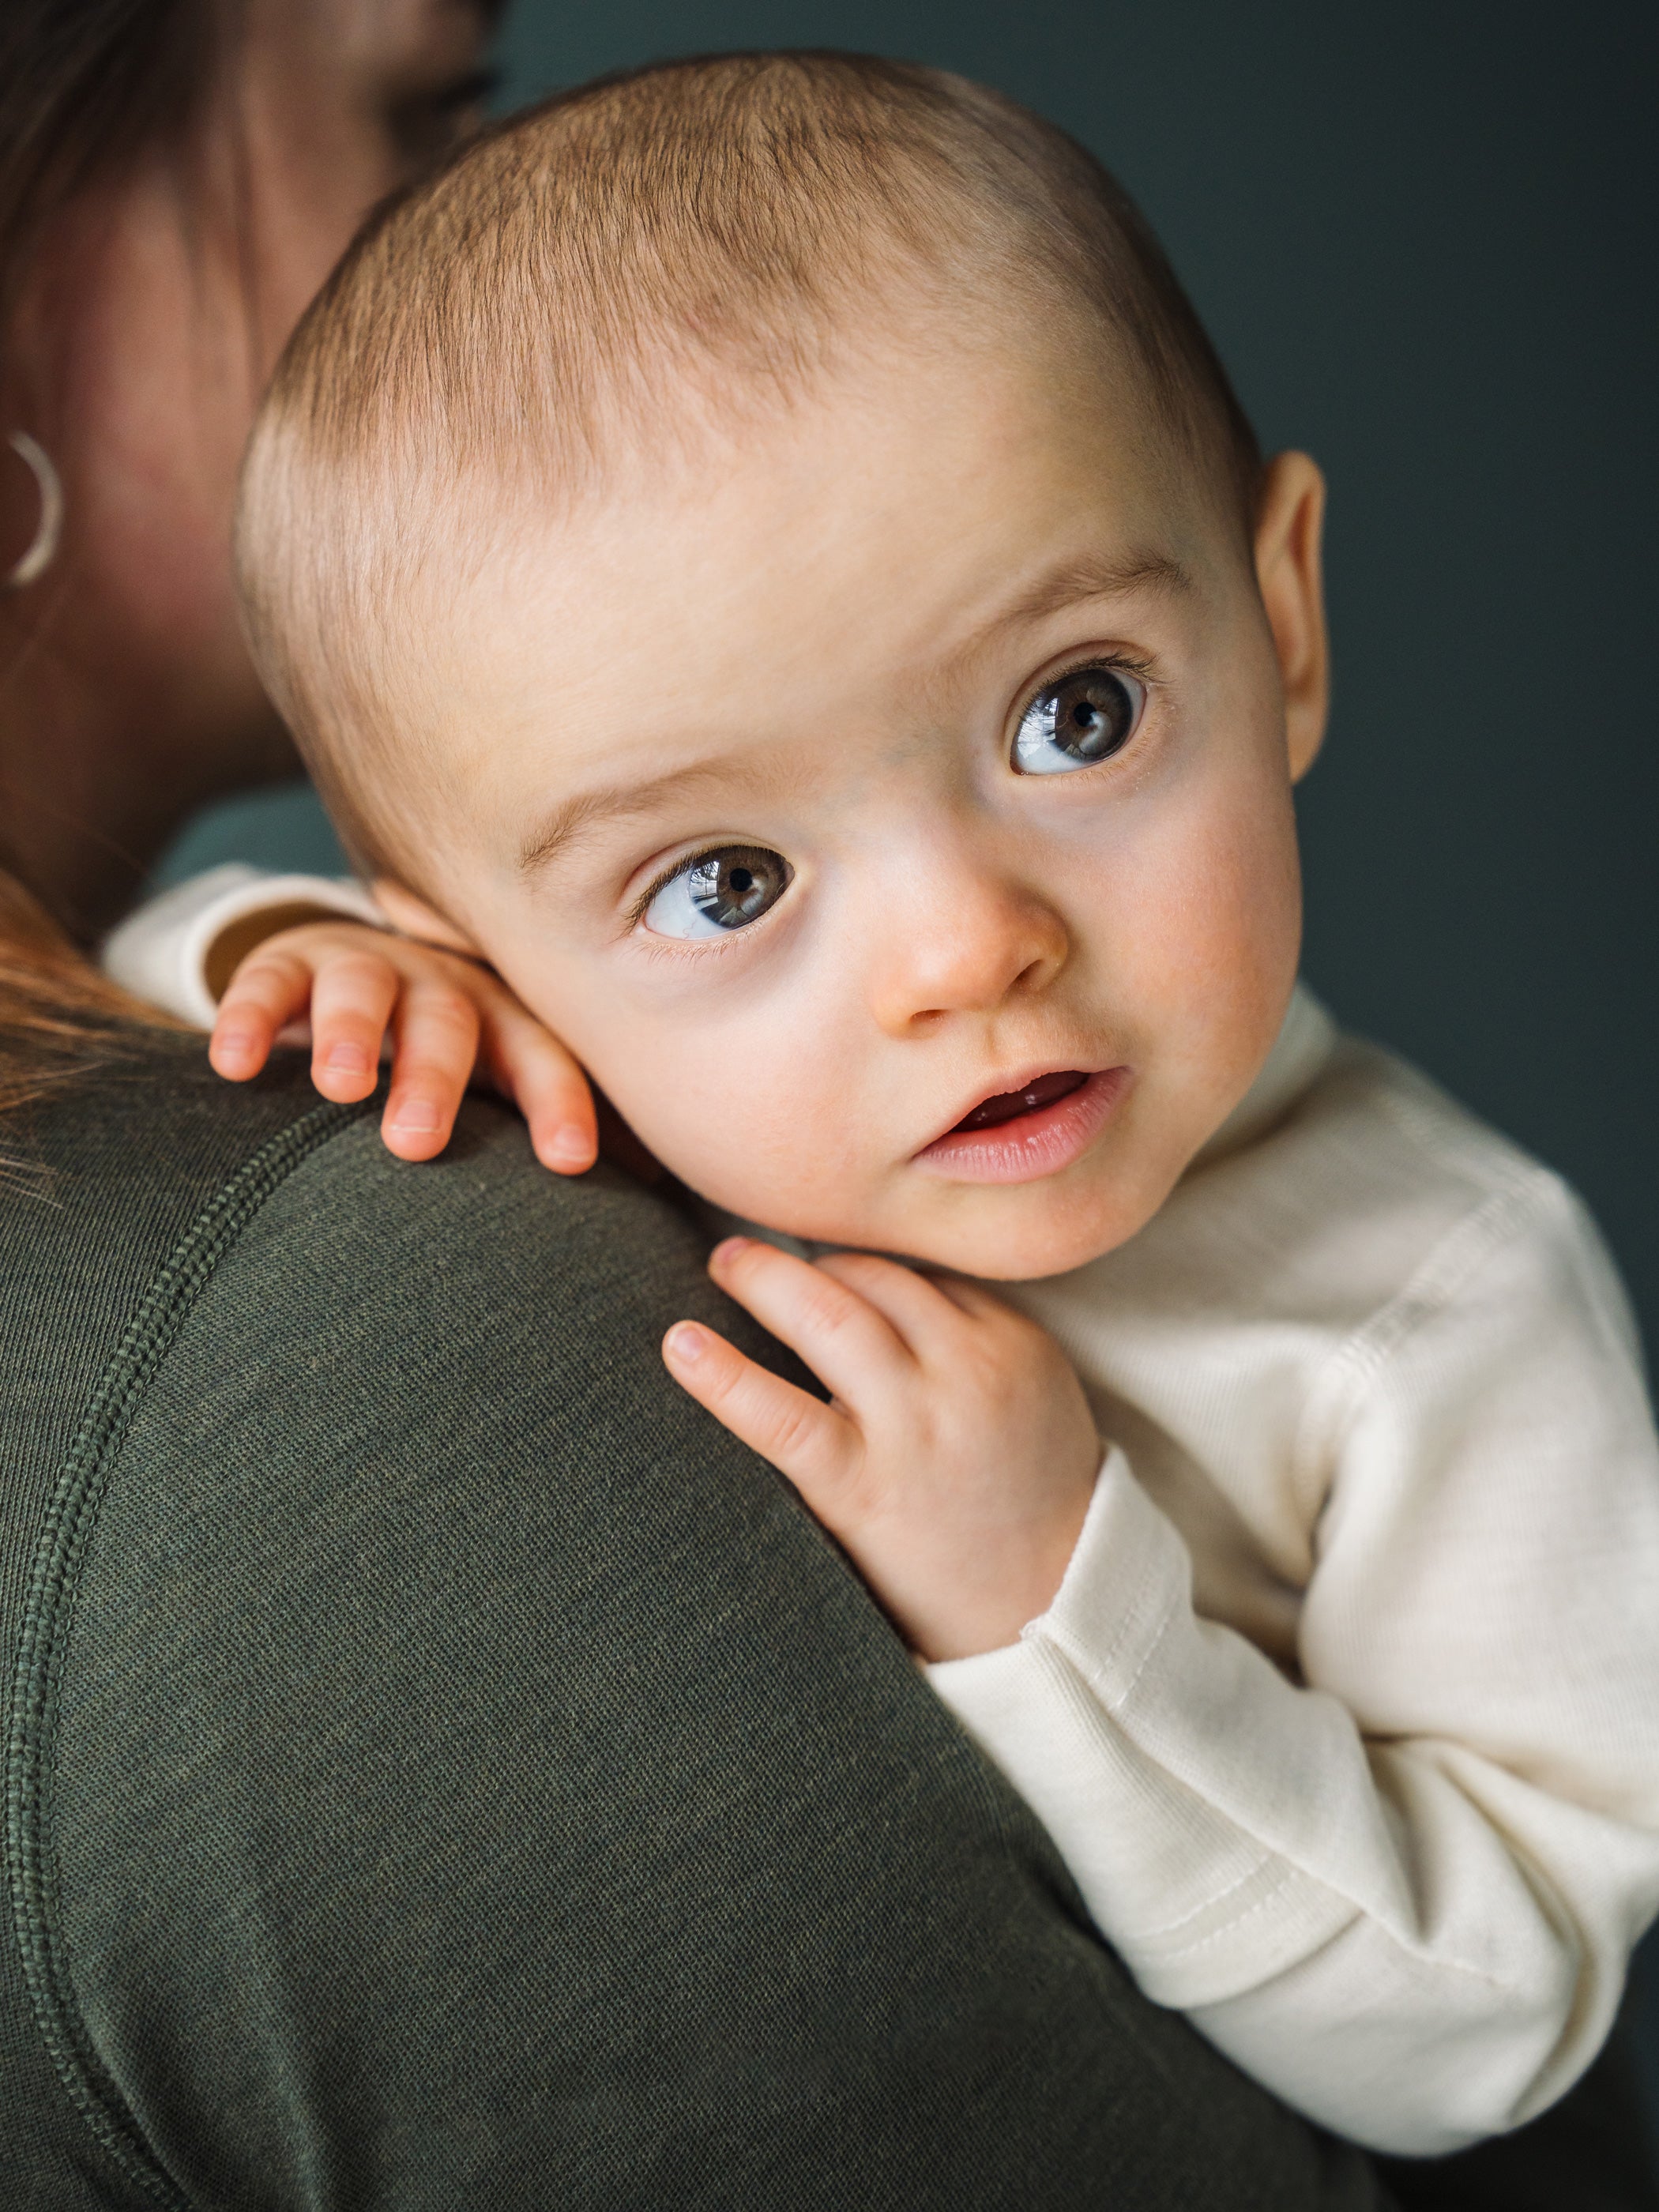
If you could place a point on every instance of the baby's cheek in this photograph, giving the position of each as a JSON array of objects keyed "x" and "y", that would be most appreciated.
[
  {"x": 757, "y": 1124},
  {"x": 1211, "y": 970}
]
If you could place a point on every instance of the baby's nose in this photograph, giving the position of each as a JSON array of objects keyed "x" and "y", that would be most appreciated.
[{"x": 966, "y": 949}]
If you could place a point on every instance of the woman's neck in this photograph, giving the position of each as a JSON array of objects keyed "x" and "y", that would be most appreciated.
[{"x": 96, "y": 774}]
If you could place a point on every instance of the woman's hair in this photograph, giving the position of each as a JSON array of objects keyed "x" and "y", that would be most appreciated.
[
  {"x": 58, "y": 1014},
  {"x": 86, "y": 87}
]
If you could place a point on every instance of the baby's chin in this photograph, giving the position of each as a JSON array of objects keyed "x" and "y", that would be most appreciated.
[
  {"x": 1015, "y": 1252},
  {"x": 1001, "y": 1235}
]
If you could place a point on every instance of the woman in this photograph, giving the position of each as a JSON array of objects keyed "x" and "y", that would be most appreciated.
[
  {"x": 442, "y": 1770},
  {"x": 176, "y": 178}
]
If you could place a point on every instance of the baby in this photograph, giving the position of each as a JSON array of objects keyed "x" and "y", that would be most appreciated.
[{"x": 761, "y": 554}]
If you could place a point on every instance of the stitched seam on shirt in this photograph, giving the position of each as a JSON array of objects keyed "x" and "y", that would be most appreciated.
[
  {"x": 1067, "y": 1653},
  {"x": 1094, "y": 1670},
  {"x": 1333, "y": 1395},
  {"x": 1146, "y": 1658},
  {"x": 1073, "y": 1658},
  {"x": 1269, "y": 1854},
  {"x": 1229, "y": 1928},
  {"x": 1167, "y": 1928},
  {"x": 32, "y": 1878},
  {"x": 1288, "y": 1875},
  {"x": 1356, "y": 1912}
]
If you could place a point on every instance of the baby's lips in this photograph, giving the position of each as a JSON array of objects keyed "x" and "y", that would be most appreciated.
[
  {"x": 1030, "y": 1091},
  {"x": 1037, "y": 1139}
]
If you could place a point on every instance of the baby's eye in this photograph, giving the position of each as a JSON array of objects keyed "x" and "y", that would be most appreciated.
[
  {"x": 718, "y": 892},
  {"x": 1084, "y": 717}
]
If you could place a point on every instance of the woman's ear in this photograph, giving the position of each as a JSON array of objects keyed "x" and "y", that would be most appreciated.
[
  {"x": 415, "y": 918},
  {"x": 1289, "y": 575}
]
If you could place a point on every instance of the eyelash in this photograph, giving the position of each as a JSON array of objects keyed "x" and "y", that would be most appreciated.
[
  {"x": 640, "y": 906},
  {"x": 1128, "y": 662}
]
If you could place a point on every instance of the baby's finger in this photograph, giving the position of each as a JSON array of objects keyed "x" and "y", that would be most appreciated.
[
  {"x": 972, "y": 1298},
  {"x": 267, "y": 992},
  {"x": 547, "y": 1084},
  {"x": 847, "y": 1345},
  {"x": 351, "y": 1003},
  {"x": 812, "y": 1443},
  {"x": 435, "y": 1043},
  {"x": 914, "y": 1305}
]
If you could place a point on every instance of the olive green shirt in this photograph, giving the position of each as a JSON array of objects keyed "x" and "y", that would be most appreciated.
[{"x": 445, "y": 1770}]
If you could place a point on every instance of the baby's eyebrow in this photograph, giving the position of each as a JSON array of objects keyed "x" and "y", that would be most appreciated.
[
  {"x": 1097, "y": 576},
  {"x": 1086, "y": 576},
  {"x": 567, "y": 822}
]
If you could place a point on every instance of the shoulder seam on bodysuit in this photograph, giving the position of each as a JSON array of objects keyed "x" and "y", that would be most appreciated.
[
  {"x": 1352, "y": 1367},
  {"x": 48, "y": 1615}
]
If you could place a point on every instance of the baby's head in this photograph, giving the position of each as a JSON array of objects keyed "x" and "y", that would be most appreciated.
[{"x": 763, "y": 551}]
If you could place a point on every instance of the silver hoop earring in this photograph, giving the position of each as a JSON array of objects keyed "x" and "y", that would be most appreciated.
[{"x": 35, "y": 562}]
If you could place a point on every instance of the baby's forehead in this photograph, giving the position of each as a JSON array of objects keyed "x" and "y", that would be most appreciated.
[
  {"x": 909, "y": 523},
  {"x": 911, "y": 393},
  {"x": 790, "y": 609}
]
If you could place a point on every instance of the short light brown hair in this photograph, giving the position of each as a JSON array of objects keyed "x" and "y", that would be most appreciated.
[{"x": 579, "y": 272}]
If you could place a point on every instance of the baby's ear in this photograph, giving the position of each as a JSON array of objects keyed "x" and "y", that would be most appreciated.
[
  {"x": 1289, "y": 571},
  {"x": 412, "y": 916}
]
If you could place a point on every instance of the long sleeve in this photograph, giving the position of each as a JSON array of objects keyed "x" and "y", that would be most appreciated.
[
  {"x": 162, "y": 952},
  {"x": 1401, "y": 1891}
]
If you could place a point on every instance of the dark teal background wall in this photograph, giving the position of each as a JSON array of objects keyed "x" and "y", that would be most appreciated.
[{"x": 1424, "y": 239}]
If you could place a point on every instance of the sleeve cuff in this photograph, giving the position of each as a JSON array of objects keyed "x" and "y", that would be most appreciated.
[
  {"x": 1127, "y": 1572},
  {"x": 1126, "y": 1725}
]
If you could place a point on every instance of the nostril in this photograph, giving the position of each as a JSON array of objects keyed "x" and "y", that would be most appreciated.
[{"x": 1041, "y": 970}]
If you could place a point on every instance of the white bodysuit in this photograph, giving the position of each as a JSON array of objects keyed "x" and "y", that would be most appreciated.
[{"x": 1345, "y": 1717}]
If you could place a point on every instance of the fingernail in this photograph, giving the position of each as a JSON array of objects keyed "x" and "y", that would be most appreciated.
[
  {"x": 569, "y": 1147},
  {"x": 417, "y": 1117},
  {"x": 728, "y": 1249},
  {"x": 346, "y": 1060},
  {"x": 683, "y": 1342},
  {"x": 233, "y": 1041}
]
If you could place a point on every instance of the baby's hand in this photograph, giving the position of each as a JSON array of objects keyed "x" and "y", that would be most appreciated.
[
  {"x": 445, "y": 1014},
  {"x": 956, "y": 1459}
]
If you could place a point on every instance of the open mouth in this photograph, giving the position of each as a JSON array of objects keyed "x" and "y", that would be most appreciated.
[
  {"x": 1009, "y": 1105},
  {"x": 1020, "y": 1136}
]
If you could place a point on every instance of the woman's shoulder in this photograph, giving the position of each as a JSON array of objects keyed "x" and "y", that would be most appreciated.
[
  {"x": 442, "y": 1727},
  {"x": 100, "y": 1180},
  {"x": 312, "y": 1467},
  {"x": 141, "y": 1182},
  {"x": 157, "y": 1223}
]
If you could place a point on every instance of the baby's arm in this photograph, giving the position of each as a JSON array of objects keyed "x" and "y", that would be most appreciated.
[
  {"x": 1404, "y": 1895},
  {"x": 248, "y": 955}
]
